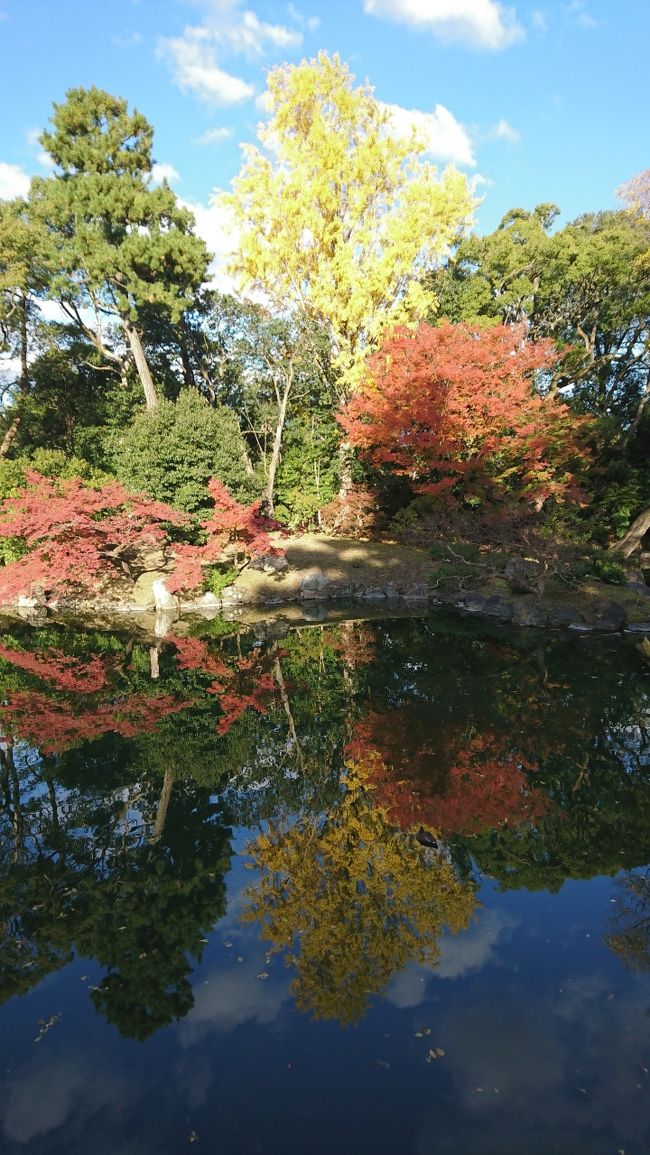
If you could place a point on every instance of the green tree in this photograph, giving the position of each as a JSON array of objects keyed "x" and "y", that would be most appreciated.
[
  {"x": 118, "y": 243},
  {"x": 172, "y": 452}
]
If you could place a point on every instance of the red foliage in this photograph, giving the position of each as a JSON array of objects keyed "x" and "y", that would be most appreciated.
[
  {"x": 75, "y": 535},
  {"x": 53, "y": 725},
  {"x": 234, "y": 697},
  {"x": 232, "y": 529},
  {"x": 62, "y": 670},
  {"x": 483, "y": 787},
  {"x": 453, "y": 409}
]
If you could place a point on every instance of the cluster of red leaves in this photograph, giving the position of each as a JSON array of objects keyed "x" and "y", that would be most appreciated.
[
  {"x": 456, "y": 410},
  {"x": 483, "y": 789},
  {"x": 241, "y": 686},
  {"x": 231, "y": 530},
  {"x": 54, "y": 725},
  {"x": 85, "y": 676},
  {"x": 74, "y": 535}
]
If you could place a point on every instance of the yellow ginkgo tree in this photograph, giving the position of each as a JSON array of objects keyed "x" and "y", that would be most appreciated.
[{"x": 338, "y": 215}]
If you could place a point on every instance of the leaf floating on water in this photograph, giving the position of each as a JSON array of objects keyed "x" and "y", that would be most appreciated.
[
  {"x": 192, "y": 1137},
  {"x": 439, "y": 1052},
  {"x": 383, "y": 1063},
  {"x": 239, "y": 958},
  {"x": 262, "y": 975},
  {"x": 419, "y": 1035}
]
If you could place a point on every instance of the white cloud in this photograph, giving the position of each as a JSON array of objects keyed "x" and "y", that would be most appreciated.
[
  {"x": 444, "y": 136},
  {"x": 14, "y": 181},
  {"x": 476, "y": 23},
  {"x": 214, "y": 135},
  {"x": 161, "y": 172},
  {"x": 577, "y": 10},
  {"x": 504, "y": 131},
  {"x": 250, "y": 36},
  {"x": 194, "y": 67},
  {"x": 215, "y": 223},
  {"x": 129, "y": 40},
  {"x": 311, "y": 23},
  {"x": 539, "y": 22},
  {"x": 40, "y": 155}
]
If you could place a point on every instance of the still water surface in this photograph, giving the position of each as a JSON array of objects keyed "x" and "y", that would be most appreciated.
[{"x": 379, "y": 886}]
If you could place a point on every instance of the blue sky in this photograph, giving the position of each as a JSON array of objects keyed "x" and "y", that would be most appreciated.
[{"x": 539, "y": 100}]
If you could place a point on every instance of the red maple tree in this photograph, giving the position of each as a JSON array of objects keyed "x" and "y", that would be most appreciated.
[
  {"x": 233, "y": 531},
  {"x": 76, "y": 538},
  {"x": 456, "y": 411}
]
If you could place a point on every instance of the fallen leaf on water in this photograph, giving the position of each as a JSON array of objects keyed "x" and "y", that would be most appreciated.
[
  {"x": 262, "y": 975},
  {"x": 439, "y": 1052},
  {"x": 383, "y": 1063},
  {"x": 419, "y": 1035}
]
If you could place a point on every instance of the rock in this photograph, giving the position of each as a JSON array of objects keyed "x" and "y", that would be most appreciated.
[
  {"x": 638, "y": 628},
  {"x": 233, "y": 596},
  {"x": 143, "y": 595},
  {"x": 163, "y": 600},
  {"x": 150, "y": 559},
  {"x": 474, "y": 603},
  {"x": 529, "y": 612},
  {"x": 391, "y": 591},
  {"x": 164, "y": 621},
  {"x": 269, "y": 563},
  {"x": 522, "y": 574},
  {"x": 416, "y": 593},
  {"x": 603, "y": 615},
  {"x": 497, "y": 607},
  {"x": 210, "y": 600},
  {"x": 33, "y": 601},
  {"x": 372, "y": 593},
  {"x": 560, "y": 614},
  {"x": 314, "y": 585}
]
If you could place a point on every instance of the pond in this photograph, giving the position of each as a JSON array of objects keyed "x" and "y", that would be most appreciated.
[{"x": 370, "y": 886}]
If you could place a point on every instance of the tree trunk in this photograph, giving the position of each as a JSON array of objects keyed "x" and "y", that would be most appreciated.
[
  {"x": 9, "y": 436},
  {"x": 645, "y": 397},
  {"x": 24, "y": 366},
  {"x": 267, "y": 496},
  {"x": 634, "y": 535},
  {"x": 163, "y": 806},
  {"x": 144, "y": 373}
]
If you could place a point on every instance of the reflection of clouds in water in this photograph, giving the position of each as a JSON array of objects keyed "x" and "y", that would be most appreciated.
[
  {"x": 567, "y": 1068},
  {"x": 231, "y": 997},
  {"x": 459, "y": 955},
  {"x": 58, "y": 1090}
]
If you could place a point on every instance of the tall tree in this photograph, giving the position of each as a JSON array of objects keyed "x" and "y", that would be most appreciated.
[
  {"x": 337, "y": 215},
  {"x": 119, "y": 244}
]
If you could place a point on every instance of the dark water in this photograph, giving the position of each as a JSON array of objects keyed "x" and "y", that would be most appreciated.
[{"x": 369, "y": 887}]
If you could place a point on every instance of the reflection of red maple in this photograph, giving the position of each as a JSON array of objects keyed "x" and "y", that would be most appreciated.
[
  {"x": 85, "y": 675},
  {"x": 53, "y": 725},
  {"x": 232, "y": 688},
  {"x": 478, "y": 787}
]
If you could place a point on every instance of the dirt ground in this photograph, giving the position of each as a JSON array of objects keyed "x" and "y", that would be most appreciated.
[{"x": 340, "y": 561}]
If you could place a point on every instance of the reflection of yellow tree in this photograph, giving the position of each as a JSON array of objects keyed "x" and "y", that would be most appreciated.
[{"x": 352, "y": 900}]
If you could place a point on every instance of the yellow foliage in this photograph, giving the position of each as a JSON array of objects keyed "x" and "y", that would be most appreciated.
[
  {"x": 337, "y": 215},
  {"x": 352, "y": 901}
]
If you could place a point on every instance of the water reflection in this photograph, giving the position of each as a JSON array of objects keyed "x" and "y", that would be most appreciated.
[{"x": 380, "y": 769}]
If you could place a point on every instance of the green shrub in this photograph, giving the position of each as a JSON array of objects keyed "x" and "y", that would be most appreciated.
[{"x": 172, "y": 451}]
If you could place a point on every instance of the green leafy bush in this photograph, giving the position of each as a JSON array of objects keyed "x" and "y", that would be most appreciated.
[{"x": 172, "y": 451}]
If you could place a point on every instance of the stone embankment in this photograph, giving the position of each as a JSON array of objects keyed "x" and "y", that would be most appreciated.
[{"x": 316, "y": 570}]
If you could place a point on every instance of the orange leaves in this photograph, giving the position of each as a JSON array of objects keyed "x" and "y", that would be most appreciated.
[{"x": 456, "y": 410}]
